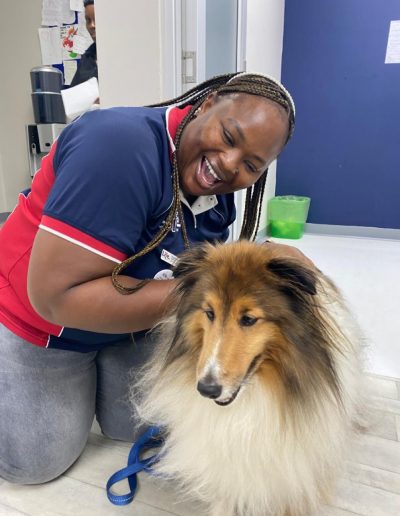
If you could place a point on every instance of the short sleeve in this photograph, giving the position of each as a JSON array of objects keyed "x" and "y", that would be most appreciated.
[{"x": 108, "y": 179}]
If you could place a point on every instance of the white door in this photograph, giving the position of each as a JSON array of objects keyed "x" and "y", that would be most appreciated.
[{"x": 203, "y": 38}]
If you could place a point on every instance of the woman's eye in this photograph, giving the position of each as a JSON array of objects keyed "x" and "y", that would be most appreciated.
[
  {"x": 228, "y": 137},
  {"x": 251, "y": 167}
]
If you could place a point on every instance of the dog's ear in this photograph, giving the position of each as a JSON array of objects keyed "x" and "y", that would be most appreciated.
[
  {"x": 296, "y": 276},
  {"x": 190, "y": 261}
]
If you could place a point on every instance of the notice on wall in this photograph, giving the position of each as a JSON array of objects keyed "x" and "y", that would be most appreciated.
[
  {"x": 393, "y": 46},
  {"x": 56, "y": 12},
  {"x": 70, "y": 68},
  {"x": 76, "y": 5},
  {"x": 50, "y": 45},
  {"x": 81, "y": 44}
]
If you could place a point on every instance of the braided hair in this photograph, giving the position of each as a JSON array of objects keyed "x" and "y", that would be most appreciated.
[{"x": 239, "y": 82}]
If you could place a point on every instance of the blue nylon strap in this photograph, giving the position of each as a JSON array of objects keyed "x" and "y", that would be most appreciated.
[{"x": 149, "y": 439}]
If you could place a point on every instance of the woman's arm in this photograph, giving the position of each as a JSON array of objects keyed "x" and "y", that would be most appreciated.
[{"x": 71, "y": 286}]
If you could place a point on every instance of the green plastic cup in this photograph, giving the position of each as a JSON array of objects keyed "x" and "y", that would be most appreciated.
[{"x": 287, "y": 216}]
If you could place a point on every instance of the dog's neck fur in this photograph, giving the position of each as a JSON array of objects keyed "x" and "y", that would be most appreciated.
[{"x": 250, "y": 435}]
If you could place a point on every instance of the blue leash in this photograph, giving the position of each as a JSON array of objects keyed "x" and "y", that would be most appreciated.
[{"x": 151, "y": 438}]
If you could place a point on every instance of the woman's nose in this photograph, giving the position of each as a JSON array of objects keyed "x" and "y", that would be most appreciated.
[{"x": 231, "y": 161}]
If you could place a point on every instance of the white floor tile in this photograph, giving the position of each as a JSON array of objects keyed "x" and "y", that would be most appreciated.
[
  {"x": 383, "y": 387},
  {"x": 373, "y": 477},
  {"x": 382, "y": 424},
  {"x": 334, "y": 511},
  {"x": 7, "y": 511},
  {"x": 65, "y": 497},
  {"x": 376, "y": 452},
  {"x": 98, "y": 463},
  {"x": 366, "y": 500},
  {"x": 388, "y": 405}
]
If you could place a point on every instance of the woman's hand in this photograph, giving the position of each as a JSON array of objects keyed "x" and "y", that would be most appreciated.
[{"x": 290, "y": 251}]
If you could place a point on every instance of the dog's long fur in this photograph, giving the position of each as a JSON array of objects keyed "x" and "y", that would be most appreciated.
[{"x": 276, "y": 336}]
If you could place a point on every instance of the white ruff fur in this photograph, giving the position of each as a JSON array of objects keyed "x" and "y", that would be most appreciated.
[{"x": 245, "y": 458}]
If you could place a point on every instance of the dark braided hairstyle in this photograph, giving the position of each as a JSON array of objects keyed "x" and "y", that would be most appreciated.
[{"x": 240, "y": 82}]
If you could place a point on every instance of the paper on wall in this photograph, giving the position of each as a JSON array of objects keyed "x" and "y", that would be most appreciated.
[
  {"x": 51, "y": 12},
  {"x": 76, "y": 5},
  {"x": 67, "y": 14},
  {"x": 82, "y": 30},
  {"x": 393, "y": 46},
  {"x": 57, "y": 12},
  {"x": 81, "y": 44},
  {"x": 80, "y": 98},
  {"x": 68, "y": 34},
  {"x": 50, "y": 47},
  {"x": 70, "y": 68}
]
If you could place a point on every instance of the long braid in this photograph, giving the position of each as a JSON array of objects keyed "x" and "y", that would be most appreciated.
[
  {"x": 241, "y": 82},
  {"x": 253, "y": 208}
]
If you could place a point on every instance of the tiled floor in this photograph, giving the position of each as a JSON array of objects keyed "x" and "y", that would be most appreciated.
[{"x": 370, "y": 484}]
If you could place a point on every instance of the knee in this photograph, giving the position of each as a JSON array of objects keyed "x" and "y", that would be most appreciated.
[
  {"x": 126, "y": 428},
  {"x": 36, "y": 472},
  {"x": 30, "y": 475},
  {"x": 39, "y": 462}
]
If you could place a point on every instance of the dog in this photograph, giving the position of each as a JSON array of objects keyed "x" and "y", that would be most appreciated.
[{"x": 256, "y": 380}]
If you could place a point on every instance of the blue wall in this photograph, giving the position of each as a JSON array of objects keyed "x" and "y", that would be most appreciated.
[{"x": 345, "y": 152}]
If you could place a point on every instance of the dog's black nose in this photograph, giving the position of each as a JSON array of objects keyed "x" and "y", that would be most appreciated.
[{"x": 210, "y": 389}]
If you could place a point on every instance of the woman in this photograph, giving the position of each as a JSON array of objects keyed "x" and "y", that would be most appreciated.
[
  {"x": 122, "y": 192},
  {"x": 87, "y": 67}
]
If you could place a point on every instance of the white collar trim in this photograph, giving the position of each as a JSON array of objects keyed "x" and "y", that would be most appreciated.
[{"x": 201, "y": 204}]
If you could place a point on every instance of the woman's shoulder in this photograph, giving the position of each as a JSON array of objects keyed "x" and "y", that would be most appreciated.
[
  {"x": 121, "y": 119},
  {"x": 118, "y": 126}
]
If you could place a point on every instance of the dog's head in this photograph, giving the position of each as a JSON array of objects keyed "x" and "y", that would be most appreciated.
[{"x": 241, "y": 312}]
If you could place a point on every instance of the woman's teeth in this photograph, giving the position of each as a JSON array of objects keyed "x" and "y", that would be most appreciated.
[{"x": 211, "y": 170}]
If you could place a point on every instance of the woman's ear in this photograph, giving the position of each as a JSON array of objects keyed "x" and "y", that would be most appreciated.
[{"x": 211, "y": 99}]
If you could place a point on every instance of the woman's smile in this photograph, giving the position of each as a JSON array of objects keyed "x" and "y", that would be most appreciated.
[{"x": 206, "y": 175}]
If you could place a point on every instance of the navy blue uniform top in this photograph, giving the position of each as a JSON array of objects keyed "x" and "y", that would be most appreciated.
[{"x": 106, "y": 185}]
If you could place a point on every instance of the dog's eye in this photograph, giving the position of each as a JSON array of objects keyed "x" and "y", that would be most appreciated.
[
  {"x": 246, "y": 320},
  {"x": 210, "y": 314}
]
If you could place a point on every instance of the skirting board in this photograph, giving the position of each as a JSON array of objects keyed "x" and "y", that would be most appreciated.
[{"x": 350, "y": 231}]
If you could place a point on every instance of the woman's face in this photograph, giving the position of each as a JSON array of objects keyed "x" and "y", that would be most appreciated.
[
  {"x": 90, "y": 21},
  {"x": 230, "y": 143}
]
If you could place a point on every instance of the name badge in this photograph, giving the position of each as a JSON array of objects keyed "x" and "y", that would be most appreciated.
[{"x": 168, "y": 257}]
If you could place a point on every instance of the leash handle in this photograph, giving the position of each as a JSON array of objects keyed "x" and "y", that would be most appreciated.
[{"x": 151, "y": 438}]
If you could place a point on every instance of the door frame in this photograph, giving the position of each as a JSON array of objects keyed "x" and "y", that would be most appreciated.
[{"x": 172, "y": 13}]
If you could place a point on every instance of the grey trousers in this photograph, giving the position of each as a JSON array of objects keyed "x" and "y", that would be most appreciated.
[{"x": 49, "y": 397}]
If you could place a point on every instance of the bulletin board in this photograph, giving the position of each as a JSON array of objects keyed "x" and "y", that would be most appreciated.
[
  {"x": 63, "y": 36},
  {"x": 342, "y": 66}
]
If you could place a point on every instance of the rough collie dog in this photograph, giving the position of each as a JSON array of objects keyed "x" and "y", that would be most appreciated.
[{"x": 255, "y": 380}]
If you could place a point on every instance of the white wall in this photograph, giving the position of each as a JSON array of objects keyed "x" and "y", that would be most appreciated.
[
  {"x": 19, "y": 21},
  {"x": 128, "y": 34},
  {"x": 264, "y": 44}
]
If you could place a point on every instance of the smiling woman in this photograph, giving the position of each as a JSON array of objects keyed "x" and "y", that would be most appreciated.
[
  {"x": 230, "y": 143},
  {"x": 122, "y": 189}
]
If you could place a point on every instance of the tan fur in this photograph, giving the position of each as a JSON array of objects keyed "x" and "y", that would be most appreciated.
[{"x": 278, "y": 339}]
